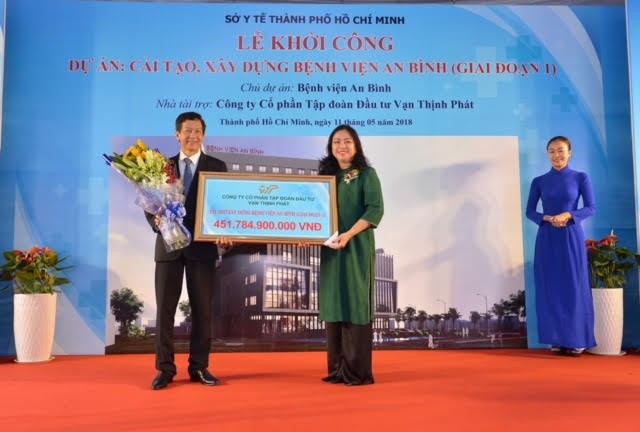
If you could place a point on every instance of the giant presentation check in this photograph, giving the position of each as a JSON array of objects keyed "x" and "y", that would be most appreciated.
[{"x": 265, "y": 208}]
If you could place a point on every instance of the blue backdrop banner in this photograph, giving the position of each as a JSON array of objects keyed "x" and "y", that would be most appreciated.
[{"x": 454, "y": 105}]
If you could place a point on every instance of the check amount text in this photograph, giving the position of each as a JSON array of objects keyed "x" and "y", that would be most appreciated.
[{"x": 241, "y": 224}]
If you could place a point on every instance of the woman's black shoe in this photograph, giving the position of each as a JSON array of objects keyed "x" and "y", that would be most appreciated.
[
  {"x": 575, "y": 352},
  {"x": 333, "y": 379},
  {"x": 359, "y": 383}
]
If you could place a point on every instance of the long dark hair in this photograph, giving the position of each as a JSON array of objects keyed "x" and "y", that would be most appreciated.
[{"x": 328, "y": 165}]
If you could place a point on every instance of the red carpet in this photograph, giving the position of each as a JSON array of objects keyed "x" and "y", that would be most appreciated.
[{"x": 469, "y": 390}]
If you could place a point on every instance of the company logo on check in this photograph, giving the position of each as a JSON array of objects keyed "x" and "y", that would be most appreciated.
[{"x": 266, "y": 190}]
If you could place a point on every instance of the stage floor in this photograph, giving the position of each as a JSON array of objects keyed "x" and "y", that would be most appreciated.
[{"x": 474, "y": 390}]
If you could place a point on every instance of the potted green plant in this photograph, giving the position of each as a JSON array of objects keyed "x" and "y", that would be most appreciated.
[
  {"x": 609, "y": 266},
  {"x": 35, "y": 276},
  {"x": 609, "y": 263}
]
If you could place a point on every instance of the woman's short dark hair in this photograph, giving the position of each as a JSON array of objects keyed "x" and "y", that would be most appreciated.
[{"x": 329, "y": 164}]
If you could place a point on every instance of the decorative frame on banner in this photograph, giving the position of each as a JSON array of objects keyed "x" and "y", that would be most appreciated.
[{"x": 255, "y": 208}]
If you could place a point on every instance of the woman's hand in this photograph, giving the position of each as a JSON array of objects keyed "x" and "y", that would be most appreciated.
[
  {"x": 342, "y": 240},
  {"x": 561, "y": 220}
]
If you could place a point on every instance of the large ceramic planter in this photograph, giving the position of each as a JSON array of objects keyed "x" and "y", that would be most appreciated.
[
  {"x": 34, "y": 325},
  {"x": 608, "y": 310}
]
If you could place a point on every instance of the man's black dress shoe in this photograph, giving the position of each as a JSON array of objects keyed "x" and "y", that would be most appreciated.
[
  {"x": 333, "y": 379},
  {"x": 161, "y": 381},
  {"x": 203, "y": 376}
]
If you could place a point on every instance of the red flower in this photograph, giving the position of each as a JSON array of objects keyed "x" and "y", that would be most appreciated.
[
  {"x": 609, "y": 241},
  {"x": 170, "y": 170}
]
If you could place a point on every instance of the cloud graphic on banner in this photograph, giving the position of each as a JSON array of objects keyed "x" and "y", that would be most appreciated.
[{"x": 566, "y": 39}]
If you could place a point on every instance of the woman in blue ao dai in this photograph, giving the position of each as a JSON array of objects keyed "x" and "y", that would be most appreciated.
[{"x": 564, "y": 303}]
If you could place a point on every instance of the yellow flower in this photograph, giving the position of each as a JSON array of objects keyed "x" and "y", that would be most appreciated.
[{"x": 143, "y": 165}]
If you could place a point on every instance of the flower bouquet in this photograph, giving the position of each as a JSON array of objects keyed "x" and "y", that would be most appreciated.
[{"x": 158, "y": 190}]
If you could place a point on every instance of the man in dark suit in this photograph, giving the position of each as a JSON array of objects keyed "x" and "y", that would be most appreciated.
[{"x": 197, "y": 261}]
